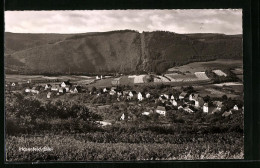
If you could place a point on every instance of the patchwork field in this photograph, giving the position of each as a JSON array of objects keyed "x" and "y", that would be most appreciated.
[{"x": 202, "y": 66}]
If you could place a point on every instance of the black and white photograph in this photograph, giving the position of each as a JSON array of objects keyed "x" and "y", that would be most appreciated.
[{"x": 123, "y": 85}]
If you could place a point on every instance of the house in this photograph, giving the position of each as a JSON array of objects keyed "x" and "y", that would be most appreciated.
[
  {"x": 48, "y": 95},
  {"x": 122, "y": 116},
  {"x": 132, "y": 94},
  {"x": 148, "y": 95},
  {"x": 162, "y": 99},
  {"x": 47, "y": 86},
  {"x": 75, "y": 89},
  {"x": 172, "y": 97},
  {"x": 27, "y": 90},
  {"x": 66, "y": 84},
  {"x": 174, "y": 102},
  {"x": 112, "y": 92},
  {"x": 180, "y": 107},
  {"x": 104, "y": 123},
  {"x": 105, "y": 90},
  {"x": 183, "y": 95},
  {"x": 146, "y": 113},
  {"x": 113, "y": 88},
  {"x": 34, "y": 90},
  {"x": 161, "y": 110},
  {"x": 119, "y": 94},
  {"x": 199, "y": 102},
  {"x": 205, "y": 108},
  {"x": 14, "y": 84},
  {"x": 125, "y": 93},
  {"x": 140, "y": 96},
  {"x": 193, "y": 97},
  {"x": 235, "y": 107},
  {"x": 226, "y": 114},
  {"x": 165, "y": 95},
  {"x": 97, "y": 78},
  {"x": 54, "y": 88},
  {"x": 62, "y": 90}
]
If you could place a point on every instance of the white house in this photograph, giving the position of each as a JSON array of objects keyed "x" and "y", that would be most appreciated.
[
  {"x": 174, "y": 103},
  {"x": 112, "y": 92},
  {"x": 235, "y": 107},
  {"x": 62, "y": 90},
  {"x": 146, "y": 113},
  {"x": 66, "y": 84},
  {"x": 119, "y": 94},
  {"x": 140, "y": 96},
  {"x": 97, "y": 78},
  {"x": 122, "y": 117},
  {"x": 161, "y": 110},
  {"x": 54, "y": 88},
  {"x": 63, "y": 84},
  {"x": 205, "y": 108},
  {"x": 172, "y": 97},
  {"x": 148, "y": 95},
  {"x": 105, "y": 90},
  {"x": 48, "y": 95},
  {"x": 27, "y": 90},
  {"x": 131, "y": 94}
]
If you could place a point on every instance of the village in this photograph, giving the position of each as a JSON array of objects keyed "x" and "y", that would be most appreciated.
[{"x": 181, "y": 99}]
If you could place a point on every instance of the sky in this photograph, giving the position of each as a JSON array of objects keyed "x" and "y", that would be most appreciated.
[{"x": 225, "y": 21}]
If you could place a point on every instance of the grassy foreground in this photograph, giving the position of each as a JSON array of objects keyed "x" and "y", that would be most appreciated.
[{"x": 71, "y": 148}]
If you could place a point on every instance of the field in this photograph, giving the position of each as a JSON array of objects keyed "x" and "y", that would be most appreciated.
[
  {"x": 83, "y": 149},
  {"x": 203, "y": 66}
]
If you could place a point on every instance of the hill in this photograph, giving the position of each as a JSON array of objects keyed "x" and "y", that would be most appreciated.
[{"x": 124, "y": 51}]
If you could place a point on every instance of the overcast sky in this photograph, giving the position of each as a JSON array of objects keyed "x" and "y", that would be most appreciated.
[{"x": 226, "y": 21}]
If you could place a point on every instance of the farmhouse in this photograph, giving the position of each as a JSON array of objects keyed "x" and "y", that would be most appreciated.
[
  {"x": 119, "y": 94},
  {"x": 161, "y": 110}
]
